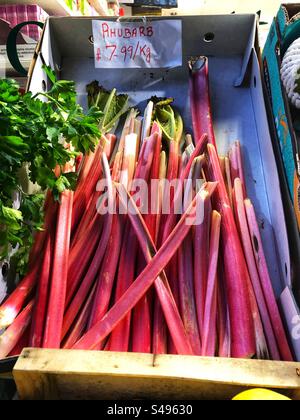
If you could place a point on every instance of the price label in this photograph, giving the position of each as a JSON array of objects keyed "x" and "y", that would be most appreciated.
[{"x": 156, "y": 44}]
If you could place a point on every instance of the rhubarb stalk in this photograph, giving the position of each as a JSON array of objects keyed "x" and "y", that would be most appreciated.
[
  {"x": 97, "y": 259},
  {"x": 209, "y": 338},
  {"x": 59, "y": 278},
  {"x": 40, "y": 308},
  {"x": 248, "y": 251},
  {"x": 12, "y": 335},
  {"x": 201, "y": 260},
  {"x": 142, "y": 284},
  {"x": 200, "y": 100},
  {"x": 266, "y": 284},
  {"x": 119, "y": 340},
  {"x": 235, "y": 268},
  {"x": 16, "y": 301}
]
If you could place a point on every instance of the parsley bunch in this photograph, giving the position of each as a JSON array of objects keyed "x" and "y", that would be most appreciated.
[{"x": 34, "y": 131}]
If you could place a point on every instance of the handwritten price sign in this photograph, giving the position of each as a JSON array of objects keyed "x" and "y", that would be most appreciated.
[{"x": 156, "y": 44}]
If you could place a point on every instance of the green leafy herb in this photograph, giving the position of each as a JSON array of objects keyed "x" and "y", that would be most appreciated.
[{"x": 42, "y": 132}]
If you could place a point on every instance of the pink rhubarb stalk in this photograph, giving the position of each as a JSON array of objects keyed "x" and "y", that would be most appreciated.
[
  {"x": 209, "y": 338},
  {"x": 200, "y": 100},
  {"x": 201, "y": 260},
  {"x": 255, "y": 280},
  {"x": 119, "y": 340},
  {"x": 94, "y": 266},
  {"x": 59, "y": 277},
  {"x": 12, "y": 335},
  {"x": 172, "y": 218},
  {"x": 81, "y": 256},
  {"x": 84, "y": 195},
  {"x": 235, "y": 268},
  {"x": 41, "y": 301},
  {"x": 159, "y": 327},
  {"x": 186, "y": 294},
  {"x": 266, "y": 284},
  {"x": 21, "y": 344},
  {"x": 223, "y": 320},
  {"x": 142, "y": 323},
  {"x": 78, "y": 329},
  {"x": 16, "y": 301},
  {"x": 142, "y": 284}
]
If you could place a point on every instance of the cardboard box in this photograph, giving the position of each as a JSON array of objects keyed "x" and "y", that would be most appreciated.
[{"x": 239, "y": 113}]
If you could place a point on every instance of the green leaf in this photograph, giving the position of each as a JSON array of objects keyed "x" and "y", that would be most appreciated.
[
  {"x": 11, "y": 215},
  {"x": 169, "y": 120},
  {"x": 50, "y": 73},
  {"x": 112, "y": 105},
  {"x": 52, "y": 133}
]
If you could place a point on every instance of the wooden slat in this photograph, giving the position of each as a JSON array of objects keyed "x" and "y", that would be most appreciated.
[{"x": 49, "y": 374}]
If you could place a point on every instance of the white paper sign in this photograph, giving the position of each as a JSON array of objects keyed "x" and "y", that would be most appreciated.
[{"x": 156, "y": 44}]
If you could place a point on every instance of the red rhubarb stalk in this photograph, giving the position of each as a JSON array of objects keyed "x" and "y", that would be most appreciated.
[
  {"x": 250, "y": 258},
  {"x": 81, "y": 256},
  {"x": 89, "y": 186},
  {"x": 120, "y": 336},
  {"x": 87, "y": 220},
  {"x": 16, "y": 301},
  {"x": 142, "y": 326},
  {"x": 201, "y": 260},
  {"x": 186, "y": 275},
  {"x": 223, "y": 319},
  {"x": 12, "y": 335},
  {"x": 86, "y": 166},
  {"x": 50, "y": 209},
  {"x": 42, "y": 295},
  {"x": 108, "y": 272},
  {"x": 209, "y": 338},
  {"x": 162, "y": 286},
  {"x": 142, "y": 284},
  {"x": 94, "y": 266},
  {"x": 186, "y": 294},
  {"x": 172, "y": 218},
  {"x": 21, "y": 344},
  {"x": 78, "y": 329},
  {"x": 162, "y": 177},
  {"x": 87, "y": 281},
  {"x": 116, "y": 170},
  {"x": 159, "y": 327},
  {"x": 59, "y": 278},
  {"x": 90, "y": 213},
  {"x": 200, "y": 100},
  {"x": 235, "y": 268},
  {"x": 266, "y": 284},
  {"x": 262, "y": 351}
]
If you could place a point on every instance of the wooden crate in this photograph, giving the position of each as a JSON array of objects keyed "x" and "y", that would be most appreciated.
[{"x": 64, "y": 374}]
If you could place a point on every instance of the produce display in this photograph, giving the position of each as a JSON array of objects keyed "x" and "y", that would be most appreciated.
[{"x": 148, "y": 242}]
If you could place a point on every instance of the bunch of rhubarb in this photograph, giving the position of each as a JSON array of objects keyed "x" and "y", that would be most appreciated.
[{"x": 158, "y": 250}]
